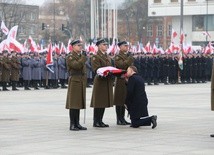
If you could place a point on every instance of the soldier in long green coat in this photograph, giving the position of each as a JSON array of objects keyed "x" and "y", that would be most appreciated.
[
  {"x": 15, "y": 70},
  {"x": 122, "y": 61},
  {"x": 6, "y": 69},
  {"x": 212, "y": 93},
  {"x": 102, "y": 95},
  {"x": 76, "y": 95}
]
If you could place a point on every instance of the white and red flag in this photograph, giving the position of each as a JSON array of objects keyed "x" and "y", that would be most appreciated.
[
  {"x": 105, "y": 71},
  {"x": 49, "y": 61},
  {"x": 33, "y": 46},
  {"x": 4, "y": 29},
  {"x": 13, "y": 32}
]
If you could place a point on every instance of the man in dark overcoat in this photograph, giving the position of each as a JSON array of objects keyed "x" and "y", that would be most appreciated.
[
  {"x": 122, "y": 61},
  {"x": 76, "y": 95},
  {"x": 102, "y": 95},
  {"x": 136, "y": 100}
]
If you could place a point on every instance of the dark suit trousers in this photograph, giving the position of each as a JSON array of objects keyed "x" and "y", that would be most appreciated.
[{"x": 145, "y": 121}]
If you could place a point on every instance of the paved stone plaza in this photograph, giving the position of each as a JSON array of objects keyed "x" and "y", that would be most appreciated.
[{"x": 36, "y": 123}]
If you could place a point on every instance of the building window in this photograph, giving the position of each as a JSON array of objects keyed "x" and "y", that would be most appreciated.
[
  {"x": 32, "y": 16},
  {"x": 157, "y": 1},
  {"x": 149, "y": 31},
  {"x": 159, "y": 30},
  {"x": 198, "y": 23},
  {"x": 203, "y": 23},
  {"x": 173, "y": 1}
]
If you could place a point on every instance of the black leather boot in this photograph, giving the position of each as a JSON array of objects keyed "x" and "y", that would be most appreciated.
[
  {"x": 4, "y": 85},
  {"x": 102, "y": 110},
  {"x": 96, "y": 118},
  {"x": 73, "y": 127},
  {"x": 118, "y": 113},
  {"x": 77, "y": 120},
  {"x": 122, "y": 111},
  {"x": 14, "y": 85}
]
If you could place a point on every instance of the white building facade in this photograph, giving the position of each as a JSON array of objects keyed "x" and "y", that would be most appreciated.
[{"x": 198, "y": 17}]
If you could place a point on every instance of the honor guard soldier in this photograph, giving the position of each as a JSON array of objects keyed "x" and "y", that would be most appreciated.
[
  {"x": 122, "y": 61},
  {"x": 102, "y": 95},
  {"x": 15, "y": 70},
  {"x": 76, "y": 95},
  {"x": 6, "y": 70}
]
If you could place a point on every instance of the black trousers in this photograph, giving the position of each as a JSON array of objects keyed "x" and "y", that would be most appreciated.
[{"x": 145, "y": 121}]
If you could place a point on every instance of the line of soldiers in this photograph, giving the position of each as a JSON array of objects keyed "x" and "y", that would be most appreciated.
[
  {"x": 29, "y": 70},
  {"x": 164, "y": 68}
]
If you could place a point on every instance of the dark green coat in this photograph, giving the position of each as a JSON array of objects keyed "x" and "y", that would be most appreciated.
[
  {"x": 15, "y": 69},
  {"x": 76, "y": 94},
  {"x": 122, "y": 61},
  {"x": 102, "y": 95},
  {"x": 212, "y": 89},
  {"x": 6, "y": 69}
]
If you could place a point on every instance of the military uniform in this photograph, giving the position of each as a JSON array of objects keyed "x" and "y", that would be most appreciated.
[
  {"x": 122, "y": 61},
  {"x": 15, "y": 71},
  {"x": 62, "y": 71},
  {"x": 6, "y": 70},
  {"x": 102, "y": 95},
  {"x": 76, "y": 94}
]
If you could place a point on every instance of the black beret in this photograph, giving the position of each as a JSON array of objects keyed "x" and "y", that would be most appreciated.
[
  {"x": 122, "y": 43},
  {"x": 74, "y": 42},
  {"x": 101, "y": 41}
]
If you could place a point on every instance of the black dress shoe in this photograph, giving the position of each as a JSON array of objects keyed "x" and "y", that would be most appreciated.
[
  {"x": 5, "y": 89},
  {"x": 97, "y": 124},
  {"x": 154, "y": 121},
  {"x": 27, "y": 88},
  {"x": 15, "y": 89},
  {"x": 120, "y": 122},
  {"x": 212, "y": 135},
  {"x": 103, "y": 124},
  {"x": 80, "y": 127},
  {"x": 126, "y": 123},
  {"x": 74, "y": 128},
  {"x": 64, "y": 87}
]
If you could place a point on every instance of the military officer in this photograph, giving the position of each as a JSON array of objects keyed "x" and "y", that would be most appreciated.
[
  {"x": 27, "y": 63},
  {"x": 15, "y": 70},
  {"x": 102, "y": 95},
  {"x": 76, "y": 95},
  {"x": 62, "y": 70},
  {"x": 122, "y": 61},
  {"x": 1, "y": 66},
  {"x": 6, "y": 70}
]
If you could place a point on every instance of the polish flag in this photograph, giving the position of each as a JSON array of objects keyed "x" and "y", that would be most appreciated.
[
  {"x": 16, "y": 46},
  {"x": 69, "y": 47},
  {"x": 148, "y": 47},
  {"x": 4, "y": 28},
  {"x": 62, "y": 48},
  {"x": 13, "y": 32},
  {"x": 57, "y": 50},
  {"x": 49, "y": 61},
  {"x": 174, "y": 34},
  {"x": 33, "y": 46}
]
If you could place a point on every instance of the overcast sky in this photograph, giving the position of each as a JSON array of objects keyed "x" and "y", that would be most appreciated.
[{"x": 35, "y": 2}]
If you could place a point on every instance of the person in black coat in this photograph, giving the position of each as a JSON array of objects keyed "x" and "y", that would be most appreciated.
[{"x": 136, "y": 100}]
